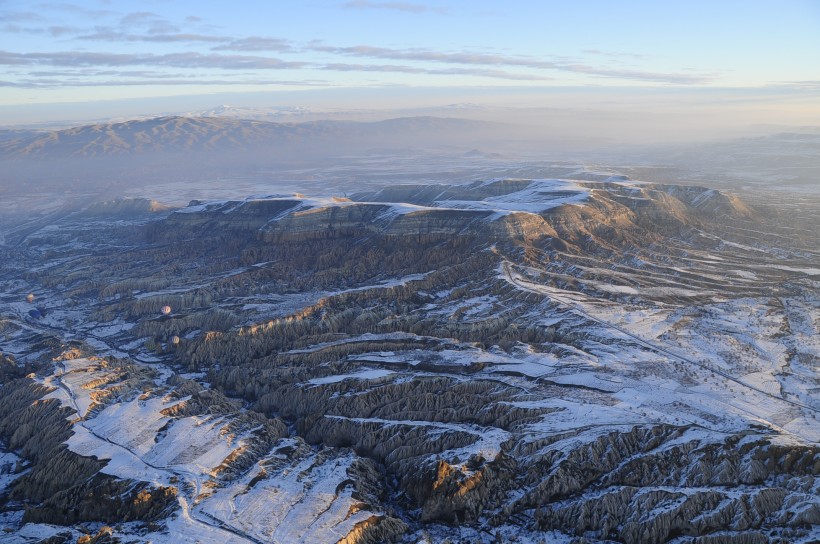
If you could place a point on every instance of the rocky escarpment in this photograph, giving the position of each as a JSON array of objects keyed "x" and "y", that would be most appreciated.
[
  {"x": 430, "y": 209},
  {"x": 222, "y": 218},
  {"x": 314, "y": 241}
]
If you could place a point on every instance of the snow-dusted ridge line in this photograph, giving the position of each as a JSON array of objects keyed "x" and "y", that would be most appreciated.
[
  {"x": 540, "y": 195},
  {"x": 187, "y": 512},
  {"x": 143, "y": 443}
]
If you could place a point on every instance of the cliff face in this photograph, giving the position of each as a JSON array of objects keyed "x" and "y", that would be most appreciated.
[
  {"x": 226, "y": 218},
  {"x": 583, "y": 360},
  {"x": 572, "y": 216}
]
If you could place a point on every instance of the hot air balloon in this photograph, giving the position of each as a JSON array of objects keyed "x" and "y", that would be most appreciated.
[
  {"x": 175, "y": 339},
  {"x": 166, "y": 310},
  {"x": 30, "y": 298}
]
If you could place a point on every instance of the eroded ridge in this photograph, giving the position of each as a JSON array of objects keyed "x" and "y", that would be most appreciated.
[{"x": 595, "y": 359}]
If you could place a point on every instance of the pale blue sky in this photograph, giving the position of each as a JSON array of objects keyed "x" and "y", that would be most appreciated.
[{"x": 83, "y": 52}]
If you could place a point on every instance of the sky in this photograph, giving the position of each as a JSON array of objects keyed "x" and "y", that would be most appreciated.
[{"x": 69, "y": 59}]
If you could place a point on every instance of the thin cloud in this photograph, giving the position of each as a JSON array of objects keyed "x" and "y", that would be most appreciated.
[
  {"x": 87, "y": 72},
  {"x": 227, "y": 43},
  {"x": 613, "y": 54},
  {"x": 191, "y": 60},
  {"x": 108, "y": 34},
  {"x": 17, "y": 29},
  {"x": 498, "y": 74},
  {"x": 152, "y": 28},
  {"x": 637, "y": 75},
  {"x": 175, "y": 60},
  {"x": 407, "y": 7},
  {"x": 21, "y": 16},
  {"x": 58, "y": 31},
  {"x": 75, "y": 9},
  {"x": 13, "y": 59},
  {"x": 142, "y": 26},
  {"x": 256, "y": 43},
  {"x": 141, "y": 18},
  {"x": 46, "y": 83},
  {"x": 478, "y": 59},
  {"x": 804, "y": 85},
  {"x": 153, "y": 23},
  {"x": 432, "y": 56},
  {"x": 181, "y": 37}
]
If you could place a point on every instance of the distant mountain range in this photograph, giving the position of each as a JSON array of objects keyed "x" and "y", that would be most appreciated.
[{"x": 213, "y": 134}]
